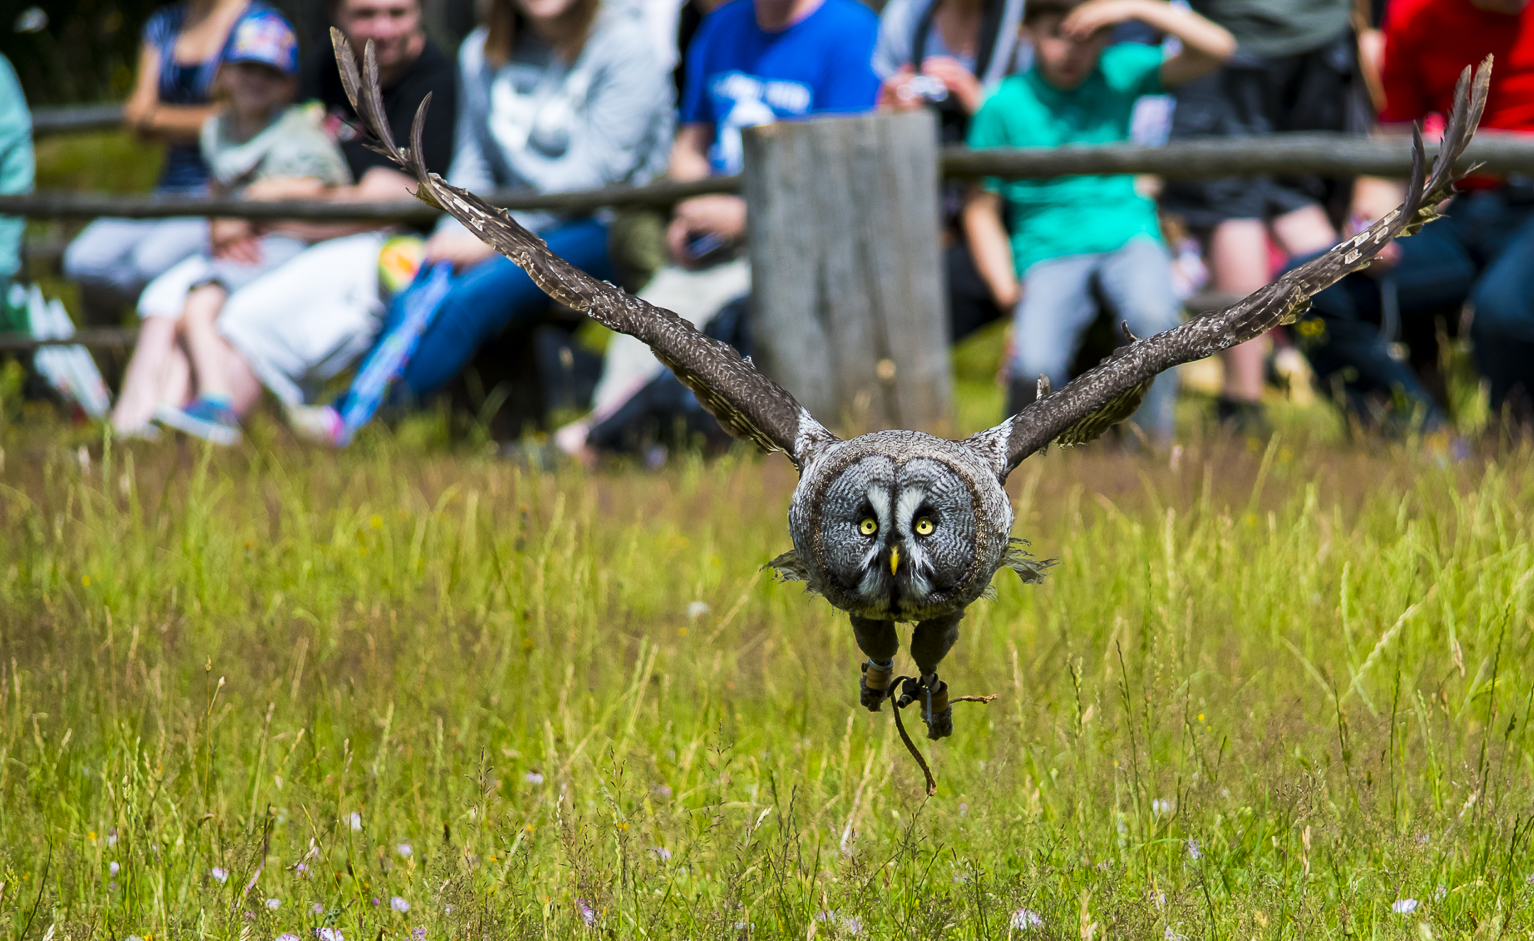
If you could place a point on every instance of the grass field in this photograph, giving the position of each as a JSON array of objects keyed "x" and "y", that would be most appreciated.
[{"x": 1266, "y": 692}]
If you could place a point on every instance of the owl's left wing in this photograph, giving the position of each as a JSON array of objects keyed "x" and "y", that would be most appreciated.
[
  {"x": 747, "y": 404},
  {"x": 1111, "y": 391}
]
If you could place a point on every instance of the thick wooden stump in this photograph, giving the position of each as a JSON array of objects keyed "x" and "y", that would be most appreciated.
[{"x": 846, "y": 273}]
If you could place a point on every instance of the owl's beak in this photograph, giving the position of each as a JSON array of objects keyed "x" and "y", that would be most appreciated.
[{"x": 894, "y": 558}]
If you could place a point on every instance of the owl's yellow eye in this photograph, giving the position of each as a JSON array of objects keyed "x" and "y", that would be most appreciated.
[
  {"x": 869, "y": 526},
  {"x": 924, "y": 527}
]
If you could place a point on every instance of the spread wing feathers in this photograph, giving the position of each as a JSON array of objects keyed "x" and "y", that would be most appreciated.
[
  {"x": 1111, "y": 391},
  {"x": 746, "y": 403}
]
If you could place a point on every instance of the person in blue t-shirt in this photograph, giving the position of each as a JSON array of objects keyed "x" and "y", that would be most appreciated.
[
  {"x": 1064, "y": 234},
  {"x": 754, "y": 62}
]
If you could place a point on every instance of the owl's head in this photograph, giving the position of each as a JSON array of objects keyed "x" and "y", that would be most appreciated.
[{"x": 899, "y": 533}]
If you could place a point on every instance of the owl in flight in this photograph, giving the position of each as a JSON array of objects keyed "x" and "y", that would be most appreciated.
[{"x": 899, "y": 525}]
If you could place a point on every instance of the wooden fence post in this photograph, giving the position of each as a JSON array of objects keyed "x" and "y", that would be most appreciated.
[{"x": 845, "y": 268}]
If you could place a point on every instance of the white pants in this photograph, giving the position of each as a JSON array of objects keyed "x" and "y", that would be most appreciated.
[
  {"x": 302, "y": 323},
  {"x": 166, "y": 295},
  {"x": 123, "y": 255}
]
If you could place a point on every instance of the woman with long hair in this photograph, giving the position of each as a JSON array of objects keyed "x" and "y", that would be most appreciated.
[{"x": 556, "y": 95}]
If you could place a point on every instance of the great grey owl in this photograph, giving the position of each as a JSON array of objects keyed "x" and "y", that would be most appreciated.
[{"x": 899, "y": 525}]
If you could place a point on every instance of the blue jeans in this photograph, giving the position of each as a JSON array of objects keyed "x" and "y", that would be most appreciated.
[
  {"x": 1057, "y": 307},
  {"x": 1482, "y": 251},
  {"x": 491, "y": 295}
]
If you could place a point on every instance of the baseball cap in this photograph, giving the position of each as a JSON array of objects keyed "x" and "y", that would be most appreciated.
[{"x": 264, "y": 36}]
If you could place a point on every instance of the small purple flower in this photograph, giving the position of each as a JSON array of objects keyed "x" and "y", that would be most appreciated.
[
  {"x": 963, "y": 810},
  {"x": 1026, "y": 919},
  {"x": 661, "y": 791},
  {"x": 219, "y": 873},
  {"x": 852, "y": 925},
  {"x": 533, "y": 778},
  {"x": 355, "y": 819},
  {"x": 302, "y": 868},
  {"x": 328, "y": 934},
  {"x": 274, "y": 904},
  {"x": 661, "y": 853},
  {"x": 404, "y": 850},
  {"x": 112, "y": 837},
  {"x": 399, "y": 904},
  {"x": 588, "y": 914},
  {"x": 1194, "y": 851},
  {"x": 376, "y": 900},
  {"x": 112, "y": 868},
  {"x": 1403, "y": 906},
  {"x": 249, "y": 915},
  {"x": 418, "y": 934},
  {"x": 316, "y": 909},
  {"x": 287, "y": 936}
]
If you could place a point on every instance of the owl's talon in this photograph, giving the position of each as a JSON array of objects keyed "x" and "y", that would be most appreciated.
[{"x": 873, "y": 686}]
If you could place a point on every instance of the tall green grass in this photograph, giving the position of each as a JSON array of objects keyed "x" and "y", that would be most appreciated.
[{"x": 1265, "y": 693}]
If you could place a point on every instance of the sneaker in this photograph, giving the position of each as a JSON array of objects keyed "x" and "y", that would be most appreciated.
[
  {"x": 204, "y": 418},
  {"x": 320, "y": 424}
]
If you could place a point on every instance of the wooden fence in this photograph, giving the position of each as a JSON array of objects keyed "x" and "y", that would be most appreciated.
[{"x": 844, "y": 235}]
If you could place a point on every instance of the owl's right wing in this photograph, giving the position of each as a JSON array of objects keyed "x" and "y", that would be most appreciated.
[
  {"x": 747, "y": 404},
  {"x": 1111, "y": 391}
]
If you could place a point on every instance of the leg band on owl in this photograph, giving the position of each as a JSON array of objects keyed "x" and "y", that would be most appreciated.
[
  {"x": 936, "y": 710},
  {"x": 875, "y": 681}
]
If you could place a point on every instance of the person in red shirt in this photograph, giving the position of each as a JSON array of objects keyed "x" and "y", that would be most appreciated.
[{"x": 1482, "y": 251}]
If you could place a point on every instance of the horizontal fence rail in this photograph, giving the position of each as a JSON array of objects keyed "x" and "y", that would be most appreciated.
[
  {"x": 121, "y": 338},
  {"x": 75, "y": 119},
  {"x": 1334, "y": 155}
]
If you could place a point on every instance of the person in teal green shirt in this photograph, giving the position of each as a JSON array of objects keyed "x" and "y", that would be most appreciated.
[
  {"x": 15, "y": 170},
  {"x": 1069, "y": 232}
]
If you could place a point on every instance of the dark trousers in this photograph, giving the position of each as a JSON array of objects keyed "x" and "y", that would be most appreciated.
[{"x": 1482, "y": 251}]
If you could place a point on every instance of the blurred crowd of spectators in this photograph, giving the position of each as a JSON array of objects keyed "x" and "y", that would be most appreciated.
[{"x": 551, "y": 96}]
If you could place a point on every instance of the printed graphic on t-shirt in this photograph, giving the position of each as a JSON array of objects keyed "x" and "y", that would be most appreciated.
[{"x": 745, "y": 101}]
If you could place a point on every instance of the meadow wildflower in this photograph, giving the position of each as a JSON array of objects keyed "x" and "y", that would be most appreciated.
[
  {"x": 274, "y": 904},
  {"x": 112, "y": 868},
  {"x": 1194, "y": 852},
  {"x": 661, "y": 791},
  {"x": 399, "y": 904},
  {"x": 328, "y": 934},
  {"x": 1403, "y": 906},
  {"x": 661, "y": 853},
  {"x": 219, "y": 873},
  {"x": 287, "y": 936},
  {"x": 404, "y": 850},
  {"x": 696, "y": 610},
  {"x": 1026, "y": 919},
  {"x": 418, "y": 934},
  {"x": 316, "y": 909},
  {"x": 533, "y": 778},
  {"x": 588, "y": 914},
  {"x": 356, "y": 820}
]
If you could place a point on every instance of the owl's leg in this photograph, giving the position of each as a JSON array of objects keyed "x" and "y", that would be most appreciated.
[
  {"x": 930, "y": 643},
  {"x": 879, "y": 641}
]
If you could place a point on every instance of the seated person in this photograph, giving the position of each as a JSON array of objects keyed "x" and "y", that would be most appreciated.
[
  {"x": 183, "y": 46},
  {"x": 1067, "y": 232},
  {"x": 751, "y": 62},
  {"x": 299, "y": 324},
  {"x": 948, "y": 55},
  {"x": 1479, "y": 252},
  {"x": 15, "y": 177},
  {"x": 260, "y": 140},
  {"x": 557, "y": 96},
  {"x": 1296, "y": 70}
]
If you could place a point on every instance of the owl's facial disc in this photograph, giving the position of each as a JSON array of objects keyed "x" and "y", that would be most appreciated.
[{"x": 899, "y": 538}]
